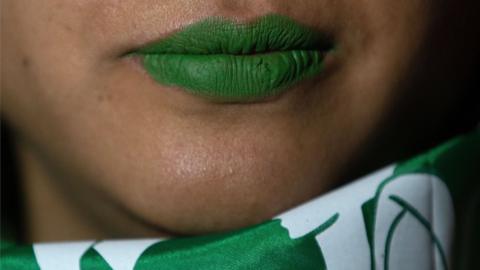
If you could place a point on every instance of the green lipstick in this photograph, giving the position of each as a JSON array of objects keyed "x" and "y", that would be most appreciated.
[{"x": 226, "y": 61}]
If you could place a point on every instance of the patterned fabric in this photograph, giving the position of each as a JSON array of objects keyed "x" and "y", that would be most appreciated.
[{"x": 400, "y": 217}]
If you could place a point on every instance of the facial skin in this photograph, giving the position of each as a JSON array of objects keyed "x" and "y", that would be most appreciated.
[{"x": 108, "y": 152}]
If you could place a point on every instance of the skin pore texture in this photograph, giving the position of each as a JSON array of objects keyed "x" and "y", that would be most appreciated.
[
  {"x": 230, "y": 62},
  {"x": 106, "y": 151}
]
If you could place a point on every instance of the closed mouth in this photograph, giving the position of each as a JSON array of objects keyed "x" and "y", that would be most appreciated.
[{"x": 229, "y": 62}]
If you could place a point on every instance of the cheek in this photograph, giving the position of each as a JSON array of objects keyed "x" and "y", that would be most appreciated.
[
  {"x": 378, "y": 53},
  {"x": 47, "y": 66}
]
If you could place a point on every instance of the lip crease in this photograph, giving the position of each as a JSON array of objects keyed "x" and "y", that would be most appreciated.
[{"x": 220, "y": 60}]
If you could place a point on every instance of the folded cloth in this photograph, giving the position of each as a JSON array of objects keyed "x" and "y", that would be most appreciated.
[{"x": 399, "y": 217}]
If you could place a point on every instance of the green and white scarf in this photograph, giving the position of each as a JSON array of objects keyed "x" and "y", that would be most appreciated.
[{"x": 400, "y": 217}]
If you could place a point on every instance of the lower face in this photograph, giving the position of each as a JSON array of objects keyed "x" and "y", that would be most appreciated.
[{"x": 179, "y": 162}]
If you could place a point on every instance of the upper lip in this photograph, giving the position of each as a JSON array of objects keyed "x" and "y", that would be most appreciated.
[{"x": 215, "y": 36}]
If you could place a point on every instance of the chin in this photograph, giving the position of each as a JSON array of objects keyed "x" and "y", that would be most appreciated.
[{"x": 207, "y": 193}]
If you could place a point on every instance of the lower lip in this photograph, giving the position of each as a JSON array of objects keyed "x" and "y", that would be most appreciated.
[{"x": 234, "y": 78}]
